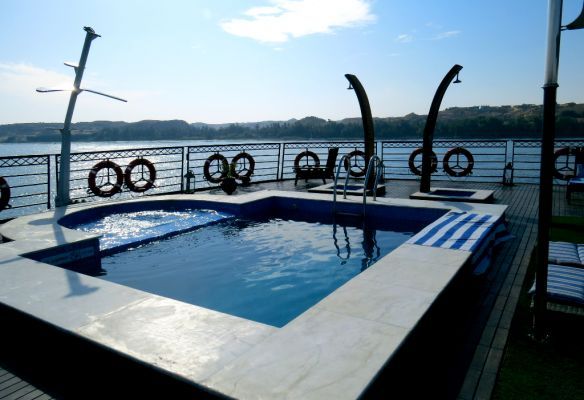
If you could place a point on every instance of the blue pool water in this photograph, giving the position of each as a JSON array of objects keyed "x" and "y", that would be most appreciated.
[
  {"x": 122, "y": 230},
  {"x": 268, "y": 270}
]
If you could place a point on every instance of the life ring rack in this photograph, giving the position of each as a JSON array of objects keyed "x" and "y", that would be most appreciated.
[
  {"x": 306, "y": 154},
  {"x": 245, "y": 157},
  {"x": 131, "y": 185},
  {"x": 4, "y": 194},
  {"x": 116, "y": 187},
  {"x": 456, "y": 151},
  {"x": 358, "y": 172},
  {"x": 417, "y": 170},
  {"x": 222, "y": 168}
]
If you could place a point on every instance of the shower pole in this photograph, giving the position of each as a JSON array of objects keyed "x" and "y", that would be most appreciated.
[
  {"x": 368, "y": 132},
  {"x": 64, "y": 172},
  {"x": 63, "y": 197},
  {"x": 431, "y": 125}
]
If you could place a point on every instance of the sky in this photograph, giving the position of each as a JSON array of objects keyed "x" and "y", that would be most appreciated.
[{"x": 255, "y": 60}]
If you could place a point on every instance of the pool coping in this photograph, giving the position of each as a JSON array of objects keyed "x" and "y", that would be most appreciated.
[{"x": 333, "y": 350}]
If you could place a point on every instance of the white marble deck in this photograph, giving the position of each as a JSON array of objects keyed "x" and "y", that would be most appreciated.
[{"x": 333, "y": 350}]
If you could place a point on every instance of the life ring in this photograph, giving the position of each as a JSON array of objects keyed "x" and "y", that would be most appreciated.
[
  {"x": 457, "y": 169},
  {"x": 558, "y": 174},
  {"x": 357, "y": 171},
  {"x": 220, "y": 171},
  {"x": 248, "y": 166},
  {"x": 417, "y": 169},
  {"x": 4, "y": 194},
  {"x": 115, "y": 187},
  {"x": 306, "y": 154},
  {"x": 151, "y": 175}
]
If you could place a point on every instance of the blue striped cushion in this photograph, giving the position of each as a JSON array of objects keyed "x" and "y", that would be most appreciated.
[
  {"x": 566, "y": 253},
  {"x": 564, "y": 284},
  {"x": 576, "y": 181},
  {"x": 477, "y": 233}
]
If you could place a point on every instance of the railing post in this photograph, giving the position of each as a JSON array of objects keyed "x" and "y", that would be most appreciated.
[
  {"x": 280, "y": 166},
  {"x": 182, "y": 169},
  {"x": 48, "y": 181}
]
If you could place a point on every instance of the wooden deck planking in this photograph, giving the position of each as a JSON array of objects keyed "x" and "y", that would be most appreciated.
[{"x": 12, "y": 387}]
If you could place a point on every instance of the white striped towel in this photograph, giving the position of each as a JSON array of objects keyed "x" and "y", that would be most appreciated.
[{"x": 477, "y": 233}]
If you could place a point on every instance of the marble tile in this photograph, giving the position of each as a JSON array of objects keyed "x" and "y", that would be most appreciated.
[
  {"x": 379, "y": 301},
  {"x": 187, "y": 340},
  {"x": 58, "y": 296},
  {"x": 411, "y": 273},
  {"x": 319, "y": 355}
]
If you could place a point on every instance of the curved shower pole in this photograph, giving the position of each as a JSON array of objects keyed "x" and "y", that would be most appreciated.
[
  {"x": 368, "y": 133},
  {"x": 431, "y": 125}
]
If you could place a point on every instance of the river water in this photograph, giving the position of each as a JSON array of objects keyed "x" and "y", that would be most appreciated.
[{"x": 25, "y": 149}]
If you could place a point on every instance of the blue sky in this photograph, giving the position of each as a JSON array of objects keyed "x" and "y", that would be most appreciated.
[{"x": 252, "y": 60}]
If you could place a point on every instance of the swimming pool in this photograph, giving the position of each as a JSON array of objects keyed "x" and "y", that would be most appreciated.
[
  {"x": 267, "y": 263},
  {"x": 335, "y": 349}
]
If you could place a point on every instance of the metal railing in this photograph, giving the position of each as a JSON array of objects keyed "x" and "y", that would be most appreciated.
[
  {"x": 292, "y": 149},
  {"x": 266, "y": 159},
  {"x": 490, "y": 157},
  {"x": 28, "y": 179},
  {"x": 168, "y": 162},
  {"x": 32, "y": 179},
  {"x": 527, "y": 156}
]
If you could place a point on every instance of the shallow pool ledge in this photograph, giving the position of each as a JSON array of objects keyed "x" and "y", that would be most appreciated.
[{"x": 334, "y": 350}]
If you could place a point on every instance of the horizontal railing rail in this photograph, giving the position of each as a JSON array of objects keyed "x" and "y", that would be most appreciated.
[{"x": 31, "y": 180}]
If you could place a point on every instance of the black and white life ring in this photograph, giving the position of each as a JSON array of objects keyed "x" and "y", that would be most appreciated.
[
  {"x": 247, "y": 165},
  {"x": 307, "y": 155},
  {"x": 149, "y": 182},
  {"x": 114, "y": 187},
  {"x": 352, "y": 163},
  {"x": 458, "y": 170},
  {"x": 417, "y": 168},
  {"x": 4, "y": 194},
  {"x": 218, "y": 163}
]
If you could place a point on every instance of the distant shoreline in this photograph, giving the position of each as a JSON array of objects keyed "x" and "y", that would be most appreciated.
[{"x": 481, "y": 122}]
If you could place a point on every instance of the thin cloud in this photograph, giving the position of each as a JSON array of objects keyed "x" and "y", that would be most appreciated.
[
  {"x": 23, "y": 79},
  {"x": 404, "y": 38},
  {"x": 287, "y": 19},
  {"x": 446, "y": 35}
]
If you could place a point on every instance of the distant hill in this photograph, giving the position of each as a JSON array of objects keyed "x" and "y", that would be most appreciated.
[{"x": 457, "y": 122}]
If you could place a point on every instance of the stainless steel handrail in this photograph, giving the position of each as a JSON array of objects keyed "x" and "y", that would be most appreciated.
[
  {"x": 374, "y": 160},
  {"x": 341, "y": 163}
]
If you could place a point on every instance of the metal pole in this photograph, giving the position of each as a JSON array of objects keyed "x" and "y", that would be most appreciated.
[
  {"x": 62, "y": 198},
  {"x": 368, "y": 132},
  {"x": 547, "y": 164},
  {"x": 431, "y": 126}
]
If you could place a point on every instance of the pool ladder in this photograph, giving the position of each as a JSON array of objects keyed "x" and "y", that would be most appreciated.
[{"x": 374, "y": 162}]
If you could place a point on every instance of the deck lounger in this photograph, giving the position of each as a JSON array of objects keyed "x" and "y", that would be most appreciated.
[
  {"x": 575, "y": 184},
  {"x": 327, "y": 172},
  {"x": 565, "y": 289},
  {"x": 565, "y": 253},
  {"x": 477, "y": 233}
]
